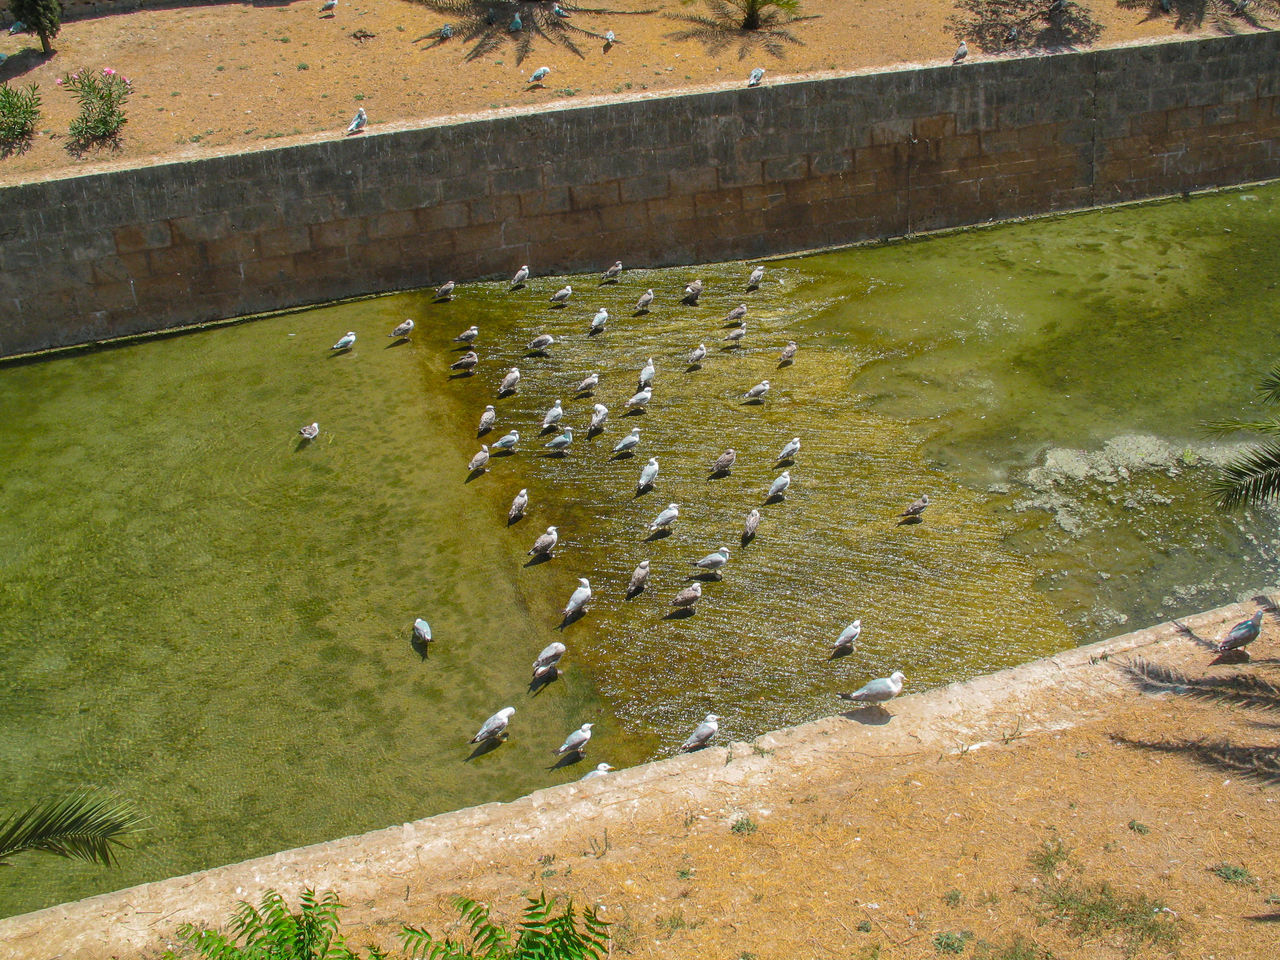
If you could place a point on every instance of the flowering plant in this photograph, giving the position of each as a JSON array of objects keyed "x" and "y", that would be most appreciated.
[{"x": 102, "y": 96}]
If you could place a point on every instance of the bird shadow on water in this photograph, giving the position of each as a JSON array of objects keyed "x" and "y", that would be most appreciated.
[
  {"x": 301, "y": 445},
  {"x": 705, "y": 576},
  {"x": 635, "y": 412},
  {"x": 538, "y": 684},
  {"x": 571, "y": 619},
  {"x": 657, "y": 535},
  {"x": 475, "y": 475},
  {"x": 538, "y": 560},
  {"x": 568, "y": 760},
  {"x": 841, "y": 653},
  {"x": 462, "y": 374},
  {"x": 683, "y": 613},
  {"x": 623, "y": 455},
  {"x": 398, "y": 342},
  {"x": 485, "y": 746}
]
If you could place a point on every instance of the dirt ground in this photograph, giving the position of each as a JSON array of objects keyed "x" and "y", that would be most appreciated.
[{"x": 230, "y": 77}]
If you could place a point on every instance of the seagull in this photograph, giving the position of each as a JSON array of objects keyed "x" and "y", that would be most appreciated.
[
  {"x": 445, "y": 291},
  {"x": 724, "y": 463},
  {"x": 749, "y": 528},
  {"x": 516, "y": 24},
  {"x": 613, "y": 273},
  {"x": 1241, "y": 635},
  {"x": 665, "y": 518},
  {"x": 508, "y": 442},
  {"x": 347, "y": 342},
  {"x": 641, "y": 399},
  {"x": 692, "y": 292},
  {"x": 562, "y": 295},
  {"x": 757, "y": 275},
  {"x": 788, "y": 353},
  {"x": 735, "y": 336},
  {"x": 647, "y": 476},
  {"x": 468, "y": 335},
  {"x": 698, "y": 354},
  {"x": 599, "y": 320},
  {"x": 588, "y": 384},
  {"x": 779, "y": 486},
  {"x": 310, "y": 431},
  {"x": 790, "y": 450},
  {"x": 521, "y": 276},
  {"x": 962, "y": 51},
  {"x": 561, "y": 443},
  {"x": 359, "y": 122},
  {"x": 403, "y": 329},
  {"x": 465, "y": 362},
  {"x": 509, "y": 382},
  {"x": 758, "y": 391},
  {"x": 495, "y": 726},
  {"x": 576, "y": 742},
  {"x": 734, "y": 317},
  {"x": 639, "y": 577},
  {"x": 487, "y": 420},
  {"x": 579, "y": 599},
  {"x": 646, "y": 375},
  {"x": 329, "y": 6},
  {"x": 552, "y": 416},
  {"x": 646, "y": 298},
  {"x": 600, "y": 770},
  {"x": 547, "y": 659},
  {"x": 421, "y": 632},
  {"x": 688, "y": 598},
  {"x": 540, "y": 74},
  {"x": 629, "y": 442},
  {"x": 518, "y": 506},
  {"x": 917, "y": 507},
  {"x": 878, "y": 691},
  {"x": 599, "y": 414},
  {"x": 756, "y": 76},
  {"x": 543, "y": 546},
  {"x": 713, "y": 562},
  {"x": 480, "y": 461},
  {"x": 541, "y": 342},
  {"x": 848, "y": 637},
  {"x": 706, "y": 730}
]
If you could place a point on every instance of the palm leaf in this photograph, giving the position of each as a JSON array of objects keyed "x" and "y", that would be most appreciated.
[
  {"x": 1228, "y": 425},
  {"x": 82, "y": 826},
  {"x": 1252, "y": 478},
  {"x": 1269, "y": 387},
  {"x": 1240, "y": 689}
]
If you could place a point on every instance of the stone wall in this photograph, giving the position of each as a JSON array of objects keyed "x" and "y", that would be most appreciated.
[{"x": 662, "y": 180}]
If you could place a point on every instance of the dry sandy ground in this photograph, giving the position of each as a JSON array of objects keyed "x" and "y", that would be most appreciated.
[{"x": 230, "y": 77}]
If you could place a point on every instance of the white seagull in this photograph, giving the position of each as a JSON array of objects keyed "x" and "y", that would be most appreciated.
[
  {"x": 562, "y": 295},
  {"x": 640, "y": 399},
  {"x": 310, "y": 431},
  {"x": 552, "y": 416},
  {"x": 648, "y": 475},
  {"x": 480, "y": 461},
  {"x": 878, "y": 691},
  {"x": 547, "y": 659},
  {"x": 646, "y": 374},
  {"x": 509, "y": 382},
  {"x": 779, "y": 486},
  {"x": 561, "y": 443},
  {"x": 598, "y": 321},
  {"x": 487, "y": 420},
  {"x": 347, "y": 341},
  {"x": 665, "y": 518},
  {"x": 757, "y": 392},
  {"x": 402, "y": 329},
  {"x": 518, "y": 506},
  {"x": 756, "y": 276},
  {"x": 508, "y": 442},
  {"x": 495, "y": 726},
  {"x": 521, "y": 276},
  {"x": 705, "y": 731},
  {"x": 713, "y": 562},
  {"x": 599, "y": 414},
  {"x": 579, "y": 599},
  {"x": 629, "y": 442},
  {"x": 790, "y": 450},
  {"x": 600, "y": 770},
  {"x": 545, "y": 543},
  {"x": 848, "y": 637},
  {"x": 698, "y": 354},
  {"x": 576, "y": 742}
]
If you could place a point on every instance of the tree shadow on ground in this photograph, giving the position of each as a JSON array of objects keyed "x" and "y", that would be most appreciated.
[
  {"x": 722, "y": 29},
  {"x": 1228, "y": 16},
  {"x": 1004, "y": 26}
]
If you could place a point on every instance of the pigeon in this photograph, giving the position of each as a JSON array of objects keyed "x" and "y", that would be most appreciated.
[
  {"x": 359, "y": 122},
  {"x": 665, "y": 518},
  {"x": 788, "y": 354},
  {"x": 445, "y": 292},
  {"x": 540, "y": 74},
  {"x": 713, "y": 562},
  {"x": 465, "y": 362},
  {"x": 508, "y": 442},
  {"x": 1166, "y": 6},
  {"x": 790, "y": 450},
  {"x": 310, "y": 431},
  {"x": 329, "y": 6},
  {"x": 561, "y": 443},
  {"x": 848, "y": 637},
  {"x": 757, "y": 392},
  {"x": 403, "y": 329},
  {"x": 609, "y": 38},
  {"x": 347, "y": 342},
  {"x": 1241, "y": 635},
  {"x": 647, "y": 476},
  {"x": 688, "y": 598},
  {"x": 641, "y": 399},
  {"x": 445, "y": 32},
  {"x": 734, "y": 316},
  {"x": 735, "y": 336},
  {"x": 724, "y": 463},
  {"x": 629, "y": 442},
  {"x": 576, "y": 742},
  {"x": 646, "y": 375},
  {"x": 547, "y": 659},
  {"x": 521, "y": 276},
  {"x": 639, "y": 577},
  {"x": 543, "y": 546},
  {"x": 518, "y": 506},
  {"x": 706, "y": 730},
  {"x": 17, "y": 27},
  {"x": 599, "y": 414},
  {"x": 613, "y": 273},
  {"x": 917, "y": 507},
  {"x": 509, "y": 382},
  {"x": 495, "y": 726},
  {"x": 562, "y": 295},
  {"x": 642, "y": 305},
  {"x": 601, "y": 768},
  {"x": 962, "y": 51},
  {"x": 579, "y": 598},
  {"x": 480, "y": 461},
  {"x": 560, "y": 11},
  {"x": 1011, "y": 37},
  {"x": 421, "y": 632},
  {"x": 516, "y": 24},
  {"x": 468, "y": 335},
  {"x": 756, "y": 76},
  {"x": 598, "y": 321},
  {"x": 552, "y": 416},
  {"x": 589, "y": 383},
  {"x": 878, "y": 691},
  {"x": 692, "y": 292},
  {"x": 751, "y": 526},
  {"x": 779, "y": 486},
  {"x": 541, "y": 342},
  {"x": 487, "y": 420},
  {"x": 757, "y": 275},
  {"x": 697, "y": 355}
]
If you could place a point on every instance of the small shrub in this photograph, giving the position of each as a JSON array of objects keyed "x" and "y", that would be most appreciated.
[
  {"x": 1141, "y": 829},
  {"x": 1233, "y": 874},
  {"x": 19, "y": 111},
  {"x": 952, "y": 898},
  {"x": 864, "y": 926},
  {"x": 684, "y": 873},
  {"x": 744, "y": 827},
  {"x": 1020, "y": 949},
  {"x": 1095, "y": 910},
  {"x": 102, "y": 97},
  {"x": 303, "y": 66},
  {"x": 1052, "y": 854},
  {"x": 951, "y": 942}
]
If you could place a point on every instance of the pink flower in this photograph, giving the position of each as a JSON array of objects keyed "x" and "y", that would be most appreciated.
[
  {"x": 108, "y": 72},
  {"x": 59, "y": 81}
]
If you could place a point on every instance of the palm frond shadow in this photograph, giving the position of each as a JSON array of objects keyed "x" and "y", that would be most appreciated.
[
  {"x": 723, "y": 29},
  {"x": 1227, "y": 16},
  {"x": 996, "y": 26},
  {"x": 1258, "y": 763},
  {"x": 1237, "y": 689}
]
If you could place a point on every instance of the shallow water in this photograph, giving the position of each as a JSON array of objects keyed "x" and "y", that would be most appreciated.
[{"x": 204, "y": 615}]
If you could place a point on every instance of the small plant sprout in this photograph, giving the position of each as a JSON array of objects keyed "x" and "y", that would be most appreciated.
[
  {"x": 744, "y": 826},
  {"x": 1229, "y": 873}
]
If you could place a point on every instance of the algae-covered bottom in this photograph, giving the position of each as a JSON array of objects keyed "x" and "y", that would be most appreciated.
[{"x": 203, "y": 614}]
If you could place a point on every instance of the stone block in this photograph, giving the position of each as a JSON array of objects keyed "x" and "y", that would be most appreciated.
[
  {"x": 143, "y": 236},
  {"x": 593, "y": 195},
  {"x": 692, "y": 180},
  {"x": 402, "y": 223},
  {"x": 284, "y": 241},
  {"x": 547, "y": 200},
  {"x": 786, "y": 168},
  {"x": 175, "y": 260}
]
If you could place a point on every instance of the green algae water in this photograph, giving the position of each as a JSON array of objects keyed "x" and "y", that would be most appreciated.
[{"x": 204, "y": 614}]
